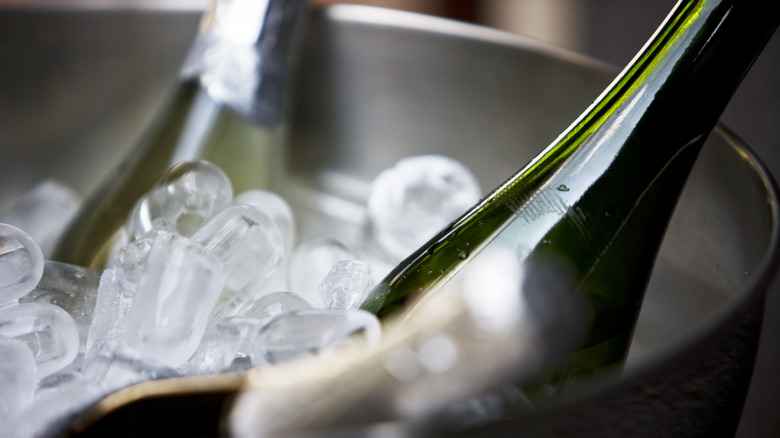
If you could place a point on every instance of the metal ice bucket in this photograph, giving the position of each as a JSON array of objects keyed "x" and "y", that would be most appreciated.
[{"x": 377, "y": 85}]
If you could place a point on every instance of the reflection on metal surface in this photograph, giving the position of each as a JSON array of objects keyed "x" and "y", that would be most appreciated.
[
  {"x": 359, "y": 83},
  {"x": 436, "y": 359}
]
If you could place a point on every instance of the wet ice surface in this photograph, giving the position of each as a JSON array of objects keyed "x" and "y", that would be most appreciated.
[
  {"x": 173, "y": 300},
  {"x": 311, "y": 261},
  {"x": 47, "y": 330},
  {"x": 265, "y": 307},
  {"x": 73, "y": 288},
  {"x": 225, "y": 340},
  {"x": 417, "y": 197},
  {"x": 202, "y": 282},
  {"x": 251, "y": 246},
  {"x": 185, "y": 197},
  {"x": 17, "y": 378},
  {"x": 276, "y": 208},
  {"x": 21, "y": 263},
  {"x": 109, "y": 321},
  {"x": 301, "y": 332},
  {"x": 345, "y": 286}
]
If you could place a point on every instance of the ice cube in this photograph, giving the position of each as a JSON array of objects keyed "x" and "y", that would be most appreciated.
[
  {"x": 174, "y": 298},
  {"x": 140, "y": 222},
  {"x": 276, "y": 282},
  {"x": 70, "y": 287},
  {"x": 251, "y": 246},
  {"x": 17, "y": 380},
  {"x": 345, "y": 286},
  {"x": 63, "y": 376},
  {"x": 115, "y": 297},
  {"x": 313, "y": 331},
  {"x": 275, "y": 207},
  {"x": 411, "y": 201},
  {"x": 48, "y": 331},
  {"x": 44, "y": 212},
  {"x": 311, "y": 261},
  {"x": 112, "y": 370},
  {"x": 265, "y": 307},
  {"x": 188, "y": 195},
  {"x": 21, "y": 263},
  {"x": 53, "y": 408},
  {"x": 132, "y": 257},
  {"x": 225, "y": 340}
]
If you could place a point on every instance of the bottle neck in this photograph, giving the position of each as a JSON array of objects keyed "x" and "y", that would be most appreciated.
[
  {"x": 685, "y": 75},
  {"x": 242, "y": 55}
]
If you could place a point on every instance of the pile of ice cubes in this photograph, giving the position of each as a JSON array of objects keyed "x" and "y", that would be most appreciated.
[{"x": 199, "y": 281}]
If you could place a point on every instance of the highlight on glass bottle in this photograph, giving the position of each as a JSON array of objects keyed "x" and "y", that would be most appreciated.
[
  {"x": 596, "y": 202},
  {"x": 564, "y": 247},
  {"x": 228, "y": 108}
]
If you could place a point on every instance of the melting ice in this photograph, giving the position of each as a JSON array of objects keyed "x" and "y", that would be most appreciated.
[{"x": 201, "y": 281}]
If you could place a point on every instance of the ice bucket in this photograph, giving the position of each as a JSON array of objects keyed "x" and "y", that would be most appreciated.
[{"x": 374, "y": 86}]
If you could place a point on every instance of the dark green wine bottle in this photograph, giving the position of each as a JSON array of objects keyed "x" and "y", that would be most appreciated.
[
  {"x": 227, "y": 108},
  {"x": 598, "y": 199}
]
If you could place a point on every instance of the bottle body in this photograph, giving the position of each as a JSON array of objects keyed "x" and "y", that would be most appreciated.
[
  {"x": 233, "y": 117},
  {"x": 588, "y": 214}
]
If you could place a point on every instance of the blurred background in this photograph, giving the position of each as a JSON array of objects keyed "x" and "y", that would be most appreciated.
[{"x": 608, "y": 30}]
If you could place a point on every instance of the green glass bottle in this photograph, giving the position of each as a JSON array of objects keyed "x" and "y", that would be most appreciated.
[
  {"x": 598, "y": 199},
  {"x": 227, "y": 108}
]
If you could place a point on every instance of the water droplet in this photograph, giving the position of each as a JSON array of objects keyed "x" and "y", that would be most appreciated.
[
  {"x": 563, "y": 188},
  {"x": 463, "y": 254}
]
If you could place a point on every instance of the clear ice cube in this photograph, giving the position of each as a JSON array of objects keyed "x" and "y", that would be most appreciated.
[
  {"x": 113, "y": 370},
  {"x": 345, "y": 286},
  {"x": 52, "y": 408},
  {"x": 48, "y": 331},
  {"x": 174, "y": 299},
  {"x": 225, "y": 340},
  {"x": 21, "y": 263},
  {"x": 251, "y": 246},
  {"x": 17, "y": 380},
  {"x": 265, "y": 307},
  {"x": 275, "y": 207},
  {"x": 115, "y": 297},
  {"x": 311, "y": 332},
  {"x": 70, "y": 287},
  {"x": 132, "y": 257},
  {"x": 43, "y": 212},
  {"x": 411, "y": 201},
  {"x": 63, "y": 376},
  {"x": 189, "y": 194},
  {"x": 140, "y": 222},
  {"x": 311, "y": 261}
]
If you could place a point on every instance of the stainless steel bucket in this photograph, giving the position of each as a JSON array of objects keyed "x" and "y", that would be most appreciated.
[{"x": 377, "y": 85}]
